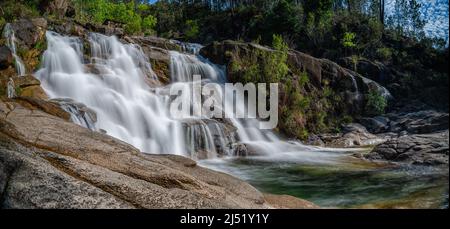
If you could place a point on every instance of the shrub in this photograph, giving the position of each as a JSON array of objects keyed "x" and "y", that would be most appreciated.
[
  {"x": 348, "y": 41},
  {"x": 148, "y": 25},
  {"x": 191, "y": 29},
  {"x": 384, "y": 54},
  {"x": 375, "y": 103}
]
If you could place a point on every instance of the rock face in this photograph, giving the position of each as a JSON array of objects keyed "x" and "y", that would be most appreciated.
[
  {"x": 6, "y": 57},
  {"x": 30, "y": 32},
  {"x": 422, "y": 149},
  {"x": 46, "y": 162},
  {"x": 414, "y": 118},
  {"x": 353, "y": 135},
  {"x": 323, "y": 101}
]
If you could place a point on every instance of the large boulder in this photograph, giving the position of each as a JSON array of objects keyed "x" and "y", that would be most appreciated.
[
  {"x": 351, "y": 85},
  {"x": 421, "y": 149},
  {"x": 330, "y": 96},
  {"x": 352, "y": 135},
  {"x": 414, "y": 122},
  {"x": 30, "y": 32},
  {"x": 59, "y": 8},
  {"x": 46, "y": 162}
]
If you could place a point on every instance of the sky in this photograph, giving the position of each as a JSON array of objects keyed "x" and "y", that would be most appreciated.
[{"x": 435, "y": 12}]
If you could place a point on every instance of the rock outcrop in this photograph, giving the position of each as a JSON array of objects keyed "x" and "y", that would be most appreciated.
[
  {"x": 352, "y": 135},
  {"x": 6, "y": 57},
  {"x": 421, "y": 149},
  {"x": 329, "y": 96},
  {"x": 47, "y": 162}
]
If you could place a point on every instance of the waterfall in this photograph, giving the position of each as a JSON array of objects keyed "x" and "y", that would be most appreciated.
[
  {"x": 11, "y": 89},
  {"x": 108, "y": 90},
  {"x": 10, "y": 37},
  {"x": 125, "y": 105}
]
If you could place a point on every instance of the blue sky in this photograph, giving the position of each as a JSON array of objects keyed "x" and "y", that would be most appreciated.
[{"x": 435, "y": 12}]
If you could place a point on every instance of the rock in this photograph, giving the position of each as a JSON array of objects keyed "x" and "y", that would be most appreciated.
[
  {"x": 47, "y": 162},
  {"x": 34, "y": 92},
  {"x": 30, "y": 32},
  {"x": 26, "y": 81},
  {"x": 422, "y": 122},
  {"x": 353, "y": 135},
  {"x": 245, "y": 150},
  {"x": 373, "y": 70},
  {"x": 422, "y": 149},
  {"x": 49, "y": 107},
  {"x": 288, "y": 202},
  {"x": 315, "y": 140},
  {"x": 6, "y": 57},
  {"x": 68, "y": 27},
  {"x": 413, "y": 122},
  {"x": 154, "y": 42},
  {"x": 59, "y": 8},
  {"x": 350, "y": 85},
  {"x": 376, "y": 125}
]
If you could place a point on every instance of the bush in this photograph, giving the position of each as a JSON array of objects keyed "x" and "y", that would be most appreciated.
[
  {"x": 375, "y": 103},
  {"x": 191, "y": 30},
  {"x": 348, "y": 41},
  {"x": 98, "y": 11},
  {"x": 148, "y": 25},
  {"x": 384, "y": 54}
]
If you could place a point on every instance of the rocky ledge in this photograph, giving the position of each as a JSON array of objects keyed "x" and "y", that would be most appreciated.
[{"x": 48, "y": 162}]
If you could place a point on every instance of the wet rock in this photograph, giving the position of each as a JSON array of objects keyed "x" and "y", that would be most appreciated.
[
  {"x": 373, "y": 70},
  {"x": 315, "y": 140},
  {"x": 6, "y": 57},
  {"x": 49, "y": 107},
  {"x": 26, "y": 81},
  {"x": 423, "y": 149},
  {"x": 51, "y": 163},
  {"x": 353, "y": 135},
  {"x": 350, "y": 85},
  {"x": 154, "y": 42},
  {"x": 413, "y": 122},
  {"x": 30, "y": 32},
  {"x": 59, "y": 8},
  {"x": 379, "y": 124},
  {"x": 80, "y": 113}
]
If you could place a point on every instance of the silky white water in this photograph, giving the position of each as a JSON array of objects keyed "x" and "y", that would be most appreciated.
[
  {"x": 10, "y": 37},
  {"x": 114, "y": 83}
]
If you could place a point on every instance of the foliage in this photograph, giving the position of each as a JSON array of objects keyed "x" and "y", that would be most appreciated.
[
  {"x": 11, "y": 10},
  {"x": 148, "y": 24},
  {"x": 375, "y": 103},
  {"x": 134, "y": 17},
  {"x": 348, "y": 41},
  {"x": 191, "y": 29}
]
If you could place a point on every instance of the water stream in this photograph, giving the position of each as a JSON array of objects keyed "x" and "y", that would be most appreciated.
[
  {"x": 10, "y": 37},
  {"x": 113, "y": 83}
]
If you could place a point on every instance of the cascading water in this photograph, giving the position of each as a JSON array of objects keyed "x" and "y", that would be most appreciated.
[
  {"x": 10, "y": 37},
  {"x": 128, "y": 108},
  {"x": 11, "y": 89},
  {"x": 124, "y": 104}
]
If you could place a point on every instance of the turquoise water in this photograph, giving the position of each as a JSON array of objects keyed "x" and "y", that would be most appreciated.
[{"x": 343, "y": 181}]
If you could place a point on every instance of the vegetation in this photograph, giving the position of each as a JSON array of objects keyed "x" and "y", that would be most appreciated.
[
  {"x": 376, "y": 104},
  {"x": 355, "y": 30}
]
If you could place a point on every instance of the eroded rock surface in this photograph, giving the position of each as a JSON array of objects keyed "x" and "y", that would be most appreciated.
[
  {"x": 47, "y": 162},
  {"x": 423, "y": 149}
]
